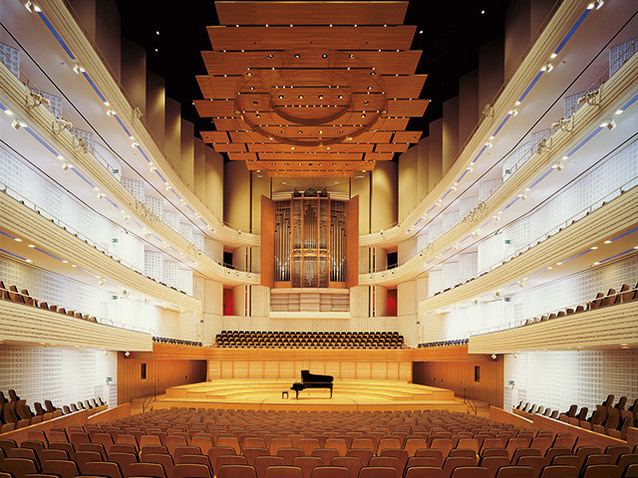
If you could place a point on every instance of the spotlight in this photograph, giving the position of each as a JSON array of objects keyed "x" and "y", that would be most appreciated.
[
  {"x": 494, "y": 356},
  {"x": 127, "y": 354},
  {"x": 15, "y": 124},
  {"x": 611, "y": 124},
  {"x": 125, "y": 293},
  {"x": 515, "y": 355},
  {"x": 100, "y": 282}
]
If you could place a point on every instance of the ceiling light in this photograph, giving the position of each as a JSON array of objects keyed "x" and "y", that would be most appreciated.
[
  {"x": 10, "y": 113},
  {"x": 17, "y": 239},
  {"x": 420, "y": 32},
  {"x": 15, "y": 124},
  {"x": 553, "y": 55}
]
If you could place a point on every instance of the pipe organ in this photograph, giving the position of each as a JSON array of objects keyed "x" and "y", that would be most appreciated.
[{"x": 305, "y": 241}]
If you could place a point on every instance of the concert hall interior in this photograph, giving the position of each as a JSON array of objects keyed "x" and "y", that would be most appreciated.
[{"x": 399, "y": 226}]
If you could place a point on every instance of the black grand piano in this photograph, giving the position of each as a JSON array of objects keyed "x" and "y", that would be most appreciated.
[{"x": 312, "y": 380}]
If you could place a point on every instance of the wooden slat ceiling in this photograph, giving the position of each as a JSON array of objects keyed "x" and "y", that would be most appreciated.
[{"x": 311, "y": 89}]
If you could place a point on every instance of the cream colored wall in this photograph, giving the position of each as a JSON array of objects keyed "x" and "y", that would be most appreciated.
[
  {"x": 490, "y": 72},
  {"x": 134, "y": 73},
  {"x": 384, "y": 195},
  {"x": 408, "y": 181},
  {"x": 237, "y": 195},
  {"x": 468, "y": 105},
  {"x": 199, "y": 169},
  {"x": 214, "y": 182},
  {"x": 156, "y": 107},
  {"x": 186, "y": 157},
  {"x": 108, "y": 34},
  {"x": 450, "y": 140},
  {"x": 435, "y": 152},
  {"x": 261, "y": 186},
  {"x": 173, "y": 133},
  {"x": 361, "y": 188},
  {"x": 423, "y": 168},
  {"x": 517, "y": 33}
]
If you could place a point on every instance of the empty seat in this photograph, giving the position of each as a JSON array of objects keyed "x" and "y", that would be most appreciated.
[
  {"x": 559, "y": 471},
  {"x": 236, "y": 471},
  {"x": 377, "y": 472},
  {"x": 514, "y": 471},
  {"x": 352, "y": 463},
  {"x": 190, "y": 470},
  {"x": 470, "y": 472},
  {"x": 307, "y": 463},
  {"x": 262, "y": 463},
  {"x": 19, "y": 467},
  {"x": 330, "y": 472},
  {"x": 424, "y": 472},
  {"x": 283, "y": 471},
  {"x": 101, "y": 468},
  {"x": 62, "y": 468}
]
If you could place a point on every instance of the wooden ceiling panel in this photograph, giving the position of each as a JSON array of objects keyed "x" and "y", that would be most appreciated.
[
  {"x": 297, "y": 165},
  {"x": 311, "y": 89},
  {"x": 238, "y": 62},
  {"x": 314, "y": 13},
  {"x": 311, "y": 131},
  {"x": 379, "y": 156},
  {"x": 215, "y": 137},
  {"x": 282, "y": 148},
  {"x": 403, "y": 86},
  {"x": 407, "y": 137},
  {"x": 397, "y": 37},
  {"x": 391, "y": 148},
  {"x": 412, "y": 108},
  {"x": 229, "y": 147},
  {"x": 316, "y": 156},
  {"x": 218, "y": 87},
  {"x": 311, "y": 173},
  {"x": 242, "y": 156}
]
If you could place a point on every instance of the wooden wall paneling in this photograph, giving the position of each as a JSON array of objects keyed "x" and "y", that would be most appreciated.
[
  {"x": 267, "y": 242},
  {"x": 256, "y": 369},
  {"x": 348, "y": 370},
  {"x": 286, "y": 369},
  {"x": 459, "y": 376},
  {"x": 393, "y": 371},
  {"x": 271, "y": 369},
  {"x": 352, "y": 243},
  {"x": 379, "y": 370},
  {"x": 159, "y": 373}
]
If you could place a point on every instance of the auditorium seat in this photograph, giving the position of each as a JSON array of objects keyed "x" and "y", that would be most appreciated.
[
  {"x": 262, "y": 463},
  {"x": 377, "y": 472},
  {"x": 190, "y": 470},
  {"x": 352, "y": 463},
  {"x": 559, "y": 471},
  {"x": 148, "y": 470},
  {"x": 163, "y": 459}
]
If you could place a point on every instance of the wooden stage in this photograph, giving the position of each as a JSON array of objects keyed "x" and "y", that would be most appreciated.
[{"x": 264, "y": 394}]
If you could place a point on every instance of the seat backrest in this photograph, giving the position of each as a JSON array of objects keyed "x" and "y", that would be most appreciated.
[
  {"x": 307, "y": 445},
  {"x": 283, "y": 471},
  {"x": 252, "y": 453},
  {"x": 470, "y": 472},
  {"x": 180, "y": 450},
  {"x": 452, "y": 462},
  {"x": 307, "y": 463},
  {"x": 625, "y": 460},
  {"x": 386, "y": 461},
  {"x": 191, "y": 470},
  {"x": 123, "y": 459},
  {"x": 534, "y": 462},
  {"x": 525, "y": 451},
  {"x": 63, "y": 468},
  {"x": 493, "y": 463},
  {"x": 438, "y": 454},
  {"x": 514, "y": 471},
  {"x": 424, "y": 472},
  {"x": 289, "y": 454},
  {"x": 338, "y": 444},
  {"x": 352, "y": 463},
  {"x": 326, "y": 454},
  {"x": 230, "y": 441},
  {"x": 262, "y": 463},
  {"x": 600, "y": 471},
  {"x": 153, "y": 449},
  {"x": 364, "y": 454},
  {"x": 377, "y": 472},
  {"x": 330, "y": 472},
  {"x": 163, "y": 459},
  {"x": 363, "y": 443},
  {"x": 412, "y": 444},
  {"x": 151, "y": 470},
  {"x": 559, "y": 471},
  {"x": 108, "y": 469},
  {"x": 236, "y": 471}
]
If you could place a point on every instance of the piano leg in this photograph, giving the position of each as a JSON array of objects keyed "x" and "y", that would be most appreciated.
[{"x": 297, "y": 394}]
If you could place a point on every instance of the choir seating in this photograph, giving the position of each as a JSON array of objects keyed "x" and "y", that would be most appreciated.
[{"x": 260, "y": 339}]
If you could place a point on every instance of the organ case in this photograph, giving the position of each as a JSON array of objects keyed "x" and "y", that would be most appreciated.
[{"x": 306, "y": 240}]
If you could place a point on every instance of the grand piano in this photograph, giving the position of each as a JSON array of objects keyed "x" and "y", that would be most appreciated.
[{"x": 312, "y": 380}]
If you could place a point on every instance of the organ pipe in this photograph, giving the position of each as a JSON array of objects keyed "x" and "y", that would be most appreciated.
[{"x": 310, "y": 240}]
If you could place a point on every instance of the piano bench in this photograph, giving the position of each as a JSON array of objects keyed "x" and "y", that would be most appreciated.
[{"x": 284, "y": 394}]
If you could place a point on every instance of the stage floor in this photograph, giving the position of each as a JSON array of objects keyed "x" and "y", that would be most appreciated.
[{"x": 347, "y": 395}]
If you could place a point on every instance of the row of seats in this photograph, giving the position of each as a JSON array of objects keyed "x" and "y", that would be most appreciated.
[
  {"x": 196, "y": 443},
  {"x": 271, "y": 339},
  {"x": 166, "y": 340},
  {"x": 608, "y": 419},
  {"x": 443, "y": 343},
  {"x": 624, "y": 295},
  {"x": 15, "y": 413},
  {"x": 22, "y": 297}
]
